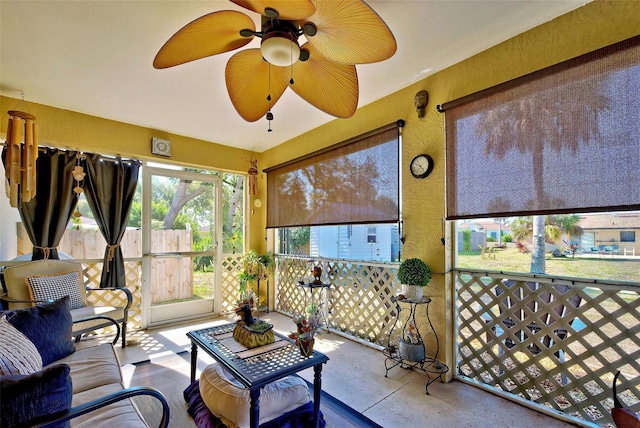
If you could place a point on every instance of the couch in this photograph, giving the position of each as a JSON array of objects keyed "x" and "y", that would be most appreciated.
[
  {"x": 45, "y": 381},
  {"x": 35, "y": 281}
]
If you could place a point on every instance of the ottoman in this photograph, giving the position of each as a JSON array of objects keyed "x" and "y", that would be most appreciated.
[{"x": 229, "y": 400}]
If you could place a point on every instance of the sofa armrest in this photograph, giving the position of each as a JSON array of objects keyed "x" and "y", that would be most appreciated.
[
  {"x": 99, "y": 403},
  {"x": 126, "y": 291},
  {"x": 101, "y": 317}
]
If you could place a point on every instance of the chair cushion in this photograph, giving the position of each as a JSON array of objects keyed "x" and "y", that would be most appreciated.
[
  {"x": 55, "y": 286},
  {"x": 230, "y": 401},
  {"x": 18, "y": 355},
  {"x": 48, "y": 326},
  {"x": 27, "y": 397},
  {"x": 93, "y": 366}
]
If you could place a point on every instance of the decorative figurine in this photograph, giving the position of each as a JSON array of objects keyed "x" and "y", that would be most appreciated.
[
  {"x": 420, "y": 100},
  {"x": 245, "y": 315},
  {"x": 317, "y": 271}
]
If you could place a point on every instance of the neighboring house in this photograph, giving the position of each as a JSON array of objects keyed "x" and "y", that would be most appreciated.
[
  {"x": 620, "y": 231},
  {"x": 356, "y": 242},
  {"x": 488, "y": 226}
]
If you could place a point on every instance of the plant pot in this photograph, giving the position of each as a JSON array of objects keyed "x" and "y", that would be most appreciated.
[
  {"x": 412, "y": 352},
  {"x": 412, "y": 292},
  {"x": 305, "y": 347}
]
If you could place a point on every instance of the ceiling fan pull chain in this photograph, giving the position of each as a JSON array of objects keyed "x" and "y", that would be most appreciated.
[
  {"x": 291, "y": 61},
  {"x": 269, "y": 114}
]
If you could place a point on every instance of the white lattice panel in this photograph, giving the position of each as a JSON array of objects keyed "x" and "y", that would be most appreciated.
[
  {"x": 359, "y": 302},
  {"x": 231, "y": 267},
  {"x": 133, "y": 275},
  {"x": 507, "y": 340}
]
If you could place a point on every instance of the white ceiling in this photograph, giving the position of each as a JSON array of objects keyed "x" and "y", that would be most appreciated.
[{"x": 95, "y": 57}]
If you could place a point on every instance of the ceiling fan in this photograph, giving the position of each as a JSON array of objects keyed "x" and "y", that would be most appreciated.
[{"x": 338, "y": 33}]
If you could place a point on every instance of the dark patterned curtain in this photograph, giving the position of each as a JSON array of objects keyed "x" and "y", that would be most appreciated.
[
  {"x": 109, "y": 187},
  {"x": 45, "y": 217}
]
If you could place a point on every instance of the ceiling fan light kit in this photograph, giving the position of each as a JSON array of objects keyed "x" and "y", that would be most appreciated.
[
  {"x": 339, "y": 34},
  {"x": 279, "y": 48}
]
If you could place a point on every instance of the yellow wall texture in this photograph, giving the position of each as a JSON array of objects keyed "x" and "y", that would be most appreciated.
[
  {"x": 71, "y": 130},
  {"x": 590, "y": 27}
]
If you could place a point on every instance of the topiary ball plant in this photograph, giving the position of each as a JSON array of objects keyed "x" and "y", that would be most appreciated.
[{"x": 414, "y": 271}]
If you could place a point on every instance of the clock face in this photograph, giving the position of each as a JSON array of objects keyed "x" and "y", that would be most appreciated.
[{"x": 421, "y": 166}]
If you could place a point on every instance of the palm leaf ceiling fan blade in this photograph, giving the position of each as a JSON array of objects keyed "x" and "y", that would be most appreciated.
[
  {"x": 208, "y": 35},
  {"x": 250, "y": 79},
  {"x": 350, "y": 32},
  {"x": 287, "y": 9},
  {"x": 327, "y": 85}
]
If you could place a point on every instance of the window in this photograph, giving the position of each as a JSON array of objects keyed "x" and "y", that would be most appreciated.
[
  {"x": 341, "y": 202},
  {"x": 379, "y": 242},
  {"x": 586, "y": 245},
  {"x": 371, "y": 235}
]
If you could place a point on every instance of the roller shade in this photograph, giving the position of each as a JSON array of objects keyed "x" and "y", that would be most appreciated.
[
  {"x": 563, "y": 139},
  {"x": 356, "y": 181}
]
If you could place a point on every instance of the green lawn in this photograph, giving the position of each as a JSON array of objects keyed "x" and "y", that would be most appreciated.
[{"x": 511, "y": 260}]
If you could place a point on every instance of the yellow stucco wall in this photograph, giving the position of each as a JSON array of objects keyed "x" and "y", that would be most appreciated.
[
  {"x": 71, "y": 130},
  {"x": 593, "y": 26}
]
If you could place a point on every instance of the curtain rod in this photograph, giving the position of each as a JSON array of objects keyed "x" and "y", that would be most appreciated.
[
  {"x": 398, "y": 123},
  {"x": 115, "y": 158}
]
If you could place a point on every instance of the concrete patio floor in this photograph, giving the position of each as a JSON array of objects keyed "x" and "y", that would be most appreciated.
[{"x": 355, "y": 375}]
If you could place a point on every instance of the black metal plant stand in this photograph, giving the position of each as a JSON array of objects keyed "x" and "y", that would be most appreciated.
[
  {"x": 310, "y": 292},
  {"x": 432, "y": 367}
]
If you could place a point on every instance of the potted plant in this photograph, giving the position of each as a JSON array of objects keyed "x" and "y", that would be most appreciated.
[
  {"x": 254, "y": 268},
  {"x": 414, "y": 274},
  {"x": 411, "y": 346},
  {"x": 307, "y": 325}
]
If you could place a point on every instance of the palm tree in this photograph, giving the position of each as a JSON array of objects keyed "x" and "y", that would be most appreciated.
[
  {"x": 529, "y": 124},
  {"x": 554, "y": 226}
]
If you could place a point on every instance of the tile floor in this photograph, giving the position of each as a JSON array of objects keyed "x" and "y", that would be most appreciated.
[{"x": 355, "y": 375}]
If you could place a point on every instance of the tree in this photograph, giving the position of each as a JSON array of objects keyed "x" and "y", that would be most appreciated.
[
  {"x": 531, "y": 124},
  {"x": 553, "y": 227},
  {"x": 181, "y": 197}
]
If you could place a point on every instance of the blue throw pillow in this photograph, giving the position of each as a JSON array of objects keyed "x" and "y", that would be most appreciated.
[
  {"x": 48, "y": 326},
  {"x": 25, "y": 399}
]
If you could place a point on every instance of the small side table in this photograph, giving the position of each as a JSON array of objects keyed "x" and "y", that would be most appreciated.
[{"x": 432, "y": 367}]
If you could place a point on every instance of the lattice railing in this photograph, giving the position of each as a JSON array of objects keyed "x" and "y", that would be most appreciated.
[
  {"x": 358, "y": 302},
  {"x": 231, "y": 267},
  {"x": 555, "y": 341},
  {"x": 92, "y": 269}
]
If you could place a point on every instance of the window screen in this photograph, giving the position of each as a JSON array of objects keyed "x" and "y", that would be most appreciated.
[
  {"x": 563, "y": 139},
  {"x": 356, "y": 181}
]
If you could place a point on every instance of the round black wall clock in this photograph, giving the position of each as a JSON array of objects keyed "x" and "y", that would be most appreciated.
[{"x": 421, "y": 166}]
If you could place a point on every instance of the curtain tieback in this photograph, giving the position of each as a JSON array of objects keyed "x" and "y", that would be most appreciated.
[
  {"x": 111, "y": 252},
  {"x": 46, "y": 251}
]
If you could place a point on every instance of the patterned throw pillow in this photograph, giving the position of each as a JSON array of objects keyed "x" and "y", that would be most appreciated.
[
  {"x": 18, "y": 355},
  {"x": 53, "y": 287},
  {"x": 48, "y": 326}
]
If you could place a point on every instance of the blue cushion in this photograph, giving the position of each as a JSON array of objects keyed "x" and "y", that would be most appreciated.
[
  {"x": 48, "y": 326},
  {"x": 25, "y": 398}
]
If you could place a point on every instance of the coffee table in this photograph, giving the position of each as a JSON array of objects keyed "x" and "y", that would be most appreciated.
[{"x": 256, "y": 367}]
